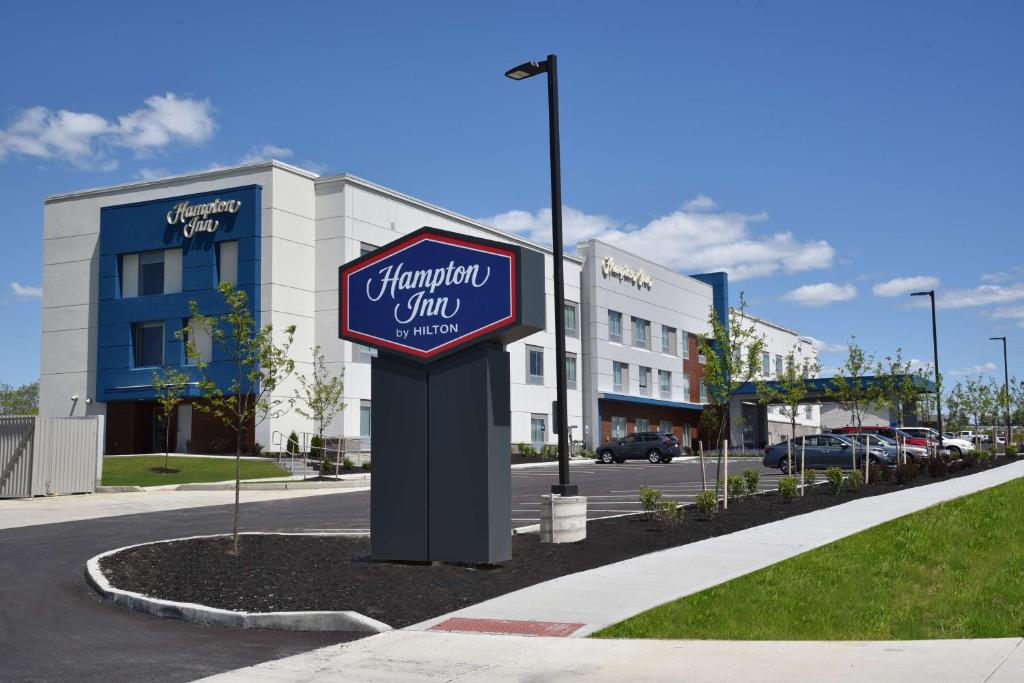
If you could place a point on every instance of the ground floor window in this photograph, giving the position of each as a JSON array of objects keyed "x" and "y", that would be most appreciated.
[
  {"x": 364, "y": 418},
  {"x": 665, "y": 427},
  {"x": 538, "y": 428},
  {"x": 642, "y": 425},
  {"x": 618, "y": 427},
  {"x": 686, "y": 436}
]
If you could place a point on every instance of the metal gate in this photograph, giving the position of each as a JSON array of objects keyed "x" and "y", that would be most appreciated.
[{"x": 42, "y": 456}]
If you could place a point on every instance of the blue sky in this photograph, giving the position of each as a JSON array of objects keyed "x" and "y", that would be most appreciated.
[{"x": 818, "y": 151}]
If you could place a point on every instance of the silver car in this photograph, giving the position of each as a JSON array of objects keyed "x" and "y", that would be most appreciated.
[
  {"x": 869, "y": 440},
  {"x": 824, "y": 450}
]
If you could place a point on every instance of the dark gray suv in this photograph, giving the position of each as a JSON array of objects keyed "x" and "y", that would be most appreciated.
[{"x": 650, "y": 446}]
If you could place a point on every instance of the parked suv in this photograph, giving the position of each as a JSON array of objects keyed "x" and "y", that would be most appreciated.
[
  {"x": 955, "y": 446},
  {"x": 650, "y": 446}
]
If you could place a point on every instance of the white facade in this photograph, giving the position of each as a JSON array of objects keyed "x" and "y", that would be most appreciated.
[{"x": 309, "y": 227}]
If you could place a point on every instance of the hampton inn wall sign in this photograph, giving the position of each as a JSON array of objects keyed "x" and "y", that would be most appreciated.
[
  {"x": 640, "y": 278},
  {"x": 195, "y": 218}
]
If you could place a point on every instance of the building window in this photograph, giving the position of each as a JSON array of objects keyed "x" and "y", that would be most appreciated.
[
  {"x": 227, "y": 262},
  {"x": 668, "y": 340},
  {"x": 665, "y": 427},
  {"x": 766, "y": 367},
  {"x": 614, "y": 326},
  {"x": 642, "y": 425},
  {"x": 570, "y": 370},
  {"x": 149, "y": 344},
  {"x": 151, "y": 273},
  {"x": 365, "y": 422},
  {"x": 703, "y": 392},
  {"x": 778, "y": 365},
  {"x": 365, "y": 248},
  {"x": 618, "y": 427},
  {"x": 701, "y": 358},
  {"x": 620, "y": 377},
  {"x": 665, "y": 383},
  {"x": 538, "y": 427},
  {"x": 203, "y": 343},
  {"x": 645, "y": 380},
  {"x": 363, "y": 354},
  {"x": 686, "y": 388},
  {"x": 809, "y": 412},
  {"x": 685, "y": 339},
  {"x": 571, "y": 321},
  {"x": 534, "y": 365},
  {"x": 641, "y": 333},
  {"x": 686, "y": 436}
]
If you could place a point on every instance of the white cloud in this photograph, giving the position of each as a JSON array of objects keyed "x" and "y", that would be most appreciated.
[
  {"x": 822, "y": 346},
  {"x": 982, "y": 295},
  {"x": 904, "y": 285},
  {"x": 1003, "y": 276},
  {"x": 26, "y": 291},
  {"x": 974, "y": 369},
  {"x": 688, "y": 241},
  {"x": 265, "y": 153},
  {"x": 88, "y": 140},
  {"x": 821, "y": 294},
  {"x": 1008, "y": 312},
  {"x": 152, "y": 173},
  {"x": 701, "y": 202}
]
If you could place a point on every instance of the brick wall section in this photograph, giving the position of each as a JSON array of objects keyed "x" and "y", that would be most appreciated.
[
  {"x": 695, "y": 369},
  {"x": 631, "y": 411}
]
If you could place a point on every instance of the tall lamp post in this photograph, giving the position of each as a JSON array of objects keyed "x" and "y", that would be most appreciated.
[
  {"x": 1006, "y": 386},
  {"x": 519, "y": 73},
  {"x": 935, "y": 347}
]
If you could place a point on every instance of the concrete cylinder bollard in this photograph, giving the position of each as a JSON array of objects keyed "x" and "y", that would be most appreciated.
[{"x": 563, "y": 519}]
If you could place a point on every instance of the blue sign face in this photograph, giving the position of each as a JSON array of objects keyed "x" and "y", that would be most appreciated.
[{"x": 429, "y": 293}]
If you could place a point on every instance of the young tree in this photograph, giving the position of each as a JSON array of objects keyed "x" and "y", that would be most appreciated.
[
  {"x": 321, "y": 393},
  {"x": 898, "y": 386},
  {"x": 23, "y": 400},
  {"x": 169, "y": 386},
  {"x": 956, "y": 408},
  {"x": 258, "y": 365},
  {"x": 848, "y": 387},
  {"x": 979, "y": 401},
  {"x": 789, "y": 391},
  {"x": 732, "y": 354}
]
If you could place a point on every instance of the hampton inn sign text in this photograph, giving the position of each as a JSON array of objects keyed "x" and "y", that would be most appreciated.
[
  {"x": 640, "y": 278},
  {"x": 197, "y": 217}
]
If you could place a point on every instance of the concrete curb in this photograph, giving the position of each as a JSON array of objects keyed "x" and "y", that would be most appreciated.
[
  {"x": 201, "y": 614},
  {"x": 551, "y": 463},
  {"x": 364, "y": 482},
  {"x": 119, "y": 489}
]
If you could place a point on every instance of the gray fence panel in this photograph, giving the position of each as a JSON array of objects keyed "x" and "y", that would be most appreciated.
[
  {"x": 65, "y": 456},
  {"x": 16, "y": 436}
]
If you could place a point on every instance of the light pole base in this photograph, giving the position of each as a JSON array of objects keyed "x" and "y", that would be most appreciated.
[
  {"x": 565, "y": 489},
  {"x": 563, "y": 519}
]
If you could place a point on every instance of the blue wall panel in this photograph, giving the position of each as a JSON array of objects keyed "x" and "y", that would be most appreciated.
[{"x": 143, "y": 226}]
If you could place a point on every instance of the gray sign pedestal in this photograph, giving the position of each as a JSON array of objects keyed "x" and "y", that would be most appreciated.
[{"x": 441, "y": 438}]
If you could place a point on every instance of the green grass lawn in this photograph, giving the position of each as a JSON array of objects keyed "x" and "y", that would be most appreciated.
[
  {"x": 135, "y": 471},
  {"x": 951, "y": 571}
]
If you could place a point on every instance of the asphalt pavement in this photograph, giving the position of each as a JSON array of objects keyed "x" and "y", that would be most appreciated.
[{"x": 53, "y": 627}]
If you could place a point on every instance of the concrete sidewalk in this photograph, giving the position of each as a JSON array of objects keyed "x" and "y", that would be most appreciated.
[
  {"x": 22, "y": 512},
  {"x": 420, "y": 656},
  {"x": 584, "y": 599}
]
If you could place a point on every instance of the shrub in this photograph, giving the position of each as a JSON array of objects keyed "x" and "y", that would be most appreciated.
[
  {"x": 316, "y": 448},
  {"x": 880, "y": 472},
  {"x": 366, "y": 465},
  {"x": 292, "y": 447},
  {"x": 669, "y": 513},
  {"x": 550, "y": 452},
  {"x": 650, "y": 500},
  {"x": 347, "y": 464},
  {"x": 707, "y": 503},
  {"x": 810, "y": 476},
  {"x": 835, "y": 478},
  {"x": 526, "y": 450},
  {"x": 1011, "y": 450},
  {"x": 854, "y": 480},
  {"x": 984, "y": 457},
  {"x": 586, "y": 453},
  {"x": 937, "y": 467},
  {"x": 788, "y": 488},
  {"x": 906, "y": 472},
  {"x": 326, "y": 465},
  {"x": 753, "y": 478},
  {"x": 257, "y": 448},
  {"x": 521, "y": 448},
  {"x": 737, "y": 487}
]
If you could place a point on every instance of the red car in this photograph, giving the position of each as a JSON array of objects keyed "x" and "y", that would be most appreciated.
[{"x": 891, "y": 432}]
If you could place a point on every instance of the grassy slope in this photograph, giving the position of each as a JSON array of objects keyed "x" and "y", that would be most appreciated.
[
  {"x": 952, "y": 571},
  {"x": 134, "y": 471}
]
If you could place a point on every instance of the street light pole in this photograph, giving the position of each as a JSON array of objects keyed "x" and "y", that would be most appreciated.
[
  {"x": 1006, "y": 386},
  {"x": 935, "y": 347},
  {"x": 523, "y": 71}
]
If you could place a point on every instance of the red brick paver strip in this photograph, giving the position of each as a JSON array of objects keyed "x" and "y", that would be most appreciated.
[{"x": 550, "y": 629}]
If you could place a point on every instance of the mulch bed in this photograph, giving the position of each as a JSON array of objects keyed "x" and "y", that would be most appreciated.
[{"x": 281, "y": 573}]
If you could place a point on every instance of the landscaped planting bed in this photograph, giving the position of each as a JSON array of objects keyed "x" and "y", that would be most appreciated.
[
  {"x": 139, "y": 470},
  {"x": 284, "y": 573}
]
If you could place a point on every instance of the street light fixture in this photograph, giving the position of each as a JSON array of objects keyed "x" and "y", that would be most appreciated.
[
  {"x": 1006, "y": 386},
  {"x": 519, "y": 73},
  {"x": 935, "y": 347}
]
